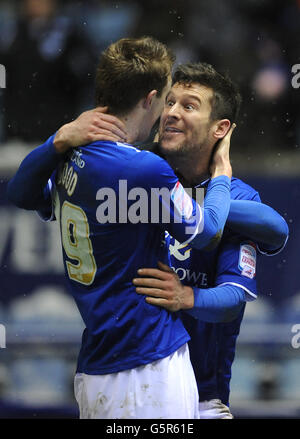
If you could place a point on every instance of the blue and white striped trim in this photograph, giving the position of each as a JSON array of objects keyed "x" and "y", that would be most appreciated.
[
  {"x": 125, "y": 145},
  {"x": 200, "y": 224}
]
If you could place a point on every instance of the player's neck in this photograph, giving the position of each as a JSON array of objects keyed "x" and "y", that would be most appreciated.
[
  {"x": 193, "y": 170},
  {"x": 131, "y": 129},
  {"x": 133, "y": 122}
]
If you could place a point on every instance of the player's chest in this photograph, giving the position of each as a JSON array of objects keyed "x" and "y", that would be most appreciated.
[{"x": 193, "y": 267}]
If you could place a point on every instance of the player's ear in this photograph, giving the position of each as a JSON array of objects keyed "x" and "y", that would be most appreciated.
[
  {"x": 149, "y": 99},
  {"x": 221, "y": 128}
]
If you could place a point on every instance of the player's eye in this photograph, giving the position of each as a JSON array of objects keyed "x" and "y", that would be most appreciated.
[
  {"x": 169, "y": 103},
  {"x": 190, "y": 107}
]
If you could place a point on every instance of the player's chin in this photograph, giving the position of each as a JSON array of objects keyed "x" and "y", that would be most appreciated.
[{"x": 169, "y": 144}]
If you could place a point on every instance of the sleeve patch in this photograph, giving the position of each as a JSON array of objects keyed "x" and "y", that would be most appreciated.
[
  {"x": 182, "y": 201},
  {"x": 247, "y": 260}
]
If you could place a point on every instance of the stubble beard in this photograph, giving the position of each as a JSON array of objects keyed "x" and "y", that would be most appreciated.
[
  {"x": 181, "y": 151},
  {"x": 184, "y": 152},
  {"x": 188, "y": 157}
]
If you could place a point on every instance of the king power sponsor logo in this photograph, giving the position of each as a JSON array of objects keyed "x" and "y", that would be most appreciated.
[
  {"x": 197, "y": 279},
  {"x": 2, "y": 76}
]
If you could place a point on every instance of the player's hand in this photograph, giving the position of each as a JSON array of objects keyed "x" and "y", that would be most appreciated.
[
  {"x": 163, "y": 288},
  {"x": 89, "y": 127},
  {"x": 221, "y": 161}
]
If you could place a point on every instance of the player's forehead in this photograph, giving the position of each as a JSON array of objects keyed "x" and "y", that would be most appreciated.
[{"x": 191, "y": 90}]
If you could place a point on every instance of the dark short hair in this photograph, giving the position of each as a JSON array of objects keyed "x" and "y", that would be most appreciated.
[
  {"x": 226, "y": 99},
  {"x": 129, "y": 69}
]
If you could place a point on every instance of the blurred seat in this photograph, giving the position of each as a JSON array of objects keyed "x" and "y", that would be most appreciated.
[
  {"x": 290, "y": 311},
  {"x": 38, "y": 381},
  {"x": 47, "y": 303},
  {"x": 259, "y": 311},
  {"x": 245, "y": 375},
  {"x": 48, "y": 315},
  {"x": 289, "y": 378},
  {"x": 45, "y": 326}
]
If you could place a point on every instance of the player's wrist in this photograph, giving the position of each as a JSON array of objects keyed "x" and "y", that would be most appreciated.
[
  {"x": 224, "y": 169},
  {"x": 61, "y": 143},
  {"x": 188, "y": 298}
]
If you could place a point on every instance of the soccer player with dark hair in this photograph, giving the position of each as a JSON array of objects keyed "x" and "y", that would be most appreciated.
[{"x": 216, "y": 284}]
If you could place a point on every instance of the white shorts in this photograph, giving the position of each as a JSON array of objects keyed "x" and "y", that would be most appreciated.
[
  {"x": 164, "y": 389},
  {"x": 214, "y": 409}
]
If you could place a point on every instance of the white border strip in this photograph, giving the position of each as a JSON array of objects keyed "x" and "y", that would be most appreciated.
[
  {"x": 52, "y": 216},
  {"x": 275, "y": 252},
  {"x": 200, "y": 223},
  {"x": 254, "y": 296}
]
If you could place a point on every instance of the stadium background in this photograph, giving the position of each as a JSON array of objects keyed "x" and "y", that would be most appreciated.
[{"x": 49, "y": 80}]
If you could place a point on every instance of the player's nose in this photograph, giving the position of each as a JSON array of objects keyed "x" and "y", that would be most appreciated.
[{"x": 173, "y": 111}]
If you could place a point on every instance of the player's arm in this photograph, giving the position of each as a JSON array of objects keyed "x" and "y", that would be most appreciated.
[
  {"x": 234, "y": 285},
  {"x": 217, "y": 199},
  {"x": 162, "y": 287},
  {"x": 28, "y": 188},
  {"x": 90, "y": 126},
  {"x": 259, "y": 222}
]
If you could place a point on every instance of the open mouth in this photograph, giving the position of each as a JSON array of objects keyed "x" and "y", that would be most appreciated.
[{"x": 172, "y": 130}]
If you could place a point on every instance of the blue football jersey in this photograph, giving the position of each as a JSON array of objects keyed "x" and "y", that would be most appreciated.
[
  {"x": 95, "y": 191},
  {"x": 212, "y": 345}
]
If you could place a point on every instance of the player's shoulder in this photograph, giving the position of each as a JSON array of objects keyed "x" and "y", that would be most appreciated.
[
  {"x": 127, "y": 150},
  {"x": 243, "y": 191},
  {"x": 118, "y": 148},
  {"x": 149, "y": 164},
  {"x": 120, "y": 153},
  {"x": 142, "y": 166}
]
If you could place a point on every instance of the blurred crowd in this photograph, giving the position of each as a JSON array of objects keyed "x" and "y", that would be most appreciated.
[{"x": 50, "y": 50}]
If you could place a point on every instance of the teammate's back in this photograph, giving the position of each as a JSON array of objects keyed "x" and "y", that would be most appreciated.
[{"x": 122, "y": 330}]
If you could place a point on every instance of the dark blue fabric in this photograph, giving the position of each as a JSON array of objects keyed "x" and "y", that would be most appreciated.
[
  {"x": 212, "y": 345},
  {"x": 27, "y": 188}
]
